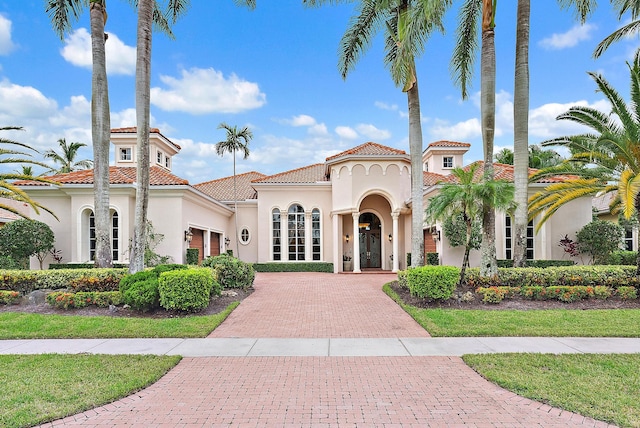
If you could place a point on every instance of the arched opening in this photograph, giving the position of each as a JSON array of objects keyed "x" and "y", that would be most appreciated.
[{"x": 370, "y": 241}]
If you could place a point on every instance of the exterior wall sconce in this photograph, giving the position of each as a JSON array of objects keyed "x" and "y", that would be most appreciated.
[
  {"x": 188, "y": 235},
  {"x": 346, "y": 238},
  {"x": 435, "y": 235},
  {"x": 390, "y": 238},
  {"x": 227, "y": 241}
]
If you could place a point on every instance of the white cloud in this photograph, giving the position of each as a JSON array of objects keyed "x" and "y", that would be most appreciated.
[
  {"x": 120, "y": 58},
  {"x": 544, "y": 125},
  {"x": 301, "y": 120},
  {"x": 21, "y": 102},
  {"x": 384, "y": 106},
  {"x": 569, "y": 39},
  {"x": 6, "y": 44},
  {"x": 373, "y": 133},
  {"x": 346, "y": 132},
  {"x": 202, "y": 91},
  {"x": 461, "y": 131}
]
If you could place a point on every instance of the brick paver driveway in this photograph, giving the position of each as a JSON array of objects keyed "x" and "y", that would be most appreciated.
[{"x": 323, "y": 391}]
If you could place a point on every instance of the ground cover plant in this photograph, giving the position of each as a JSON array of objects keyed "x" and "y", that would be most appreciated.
[
  {"x": 604, "y": 387},
  {"x": 42, "y": 388}
]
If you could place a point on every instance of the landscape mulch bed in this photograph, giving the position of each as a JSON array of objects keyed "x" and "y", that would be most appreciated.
[
  {"x": 514, "y": 303},
  {"x": 217, "y": 305}
]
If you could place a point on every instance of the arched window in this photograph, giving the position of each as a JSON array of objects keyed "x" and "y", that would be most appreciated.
[
  {"x": 296, "y": 232},
  {"x": 275, "y": 234},
  {"x": 115, "y": 236},
  {"x": 315, "y": 234}
]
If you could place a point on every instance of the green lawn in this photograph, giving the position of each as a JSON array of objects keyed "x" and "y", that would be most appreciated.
[
  {"x": 604, "y": 387},
  {"x": 18, "y": 325},
  {"x": 42, "y": 388},
  {"x": 552, "y": 323}
]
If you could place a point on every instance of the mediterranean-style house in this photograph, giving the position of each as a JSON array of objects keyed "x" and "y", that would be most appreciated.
[{"x": 353, "y": 208}]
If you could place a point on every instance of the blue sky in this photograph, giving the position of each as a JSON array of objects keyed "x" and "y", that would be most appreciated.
[{"x": 274, "y": 69}]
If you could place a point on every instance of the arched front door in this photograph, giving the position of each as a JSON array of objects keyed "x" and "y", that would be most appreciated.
[{"x": 370, "y": 242}]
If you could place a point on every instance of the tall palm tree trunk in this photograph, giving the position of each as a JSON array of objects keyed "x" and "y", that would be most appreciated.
[
  {"x": 521, "y": 134},
  {"x": 488, "y": 262},
  {"x": 100, "y": 135},
  {"x": 143, "y": 106},
  {"x": 235, "y": 204},
  {"x": 417, "y": 181}
]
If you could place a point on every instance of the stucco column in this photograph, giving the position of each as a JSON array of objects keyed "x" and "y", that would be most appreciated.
[
  {"x": 207, "y": 243},
  {"x": 396, "y": 258},
  {"x": 307, "y": 236},
  {"x": 337, "y": 240},
  {"x": 356, "y": 243}
]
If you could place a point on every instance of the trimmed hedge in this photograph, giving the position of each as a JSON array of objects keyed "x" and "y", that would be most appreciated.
[
  {"x": 626, "y": 258},
  {"x": 508, "y": 263},
  {"x": 294, "y": 267},
  {"x": 9, "y": 297},
  {"x": 84, "y": 266},
  {"x": 26, "y": 281},
  {"x": 433, "y": 282},
  {"x": 231, "y": 272},
  {"x": 611, "y": 276},
  {"x": 563, "y": 293},
  {"x": 81, "y": 299},
  {"x": 186, "y": 291},
  {"x": 140, "y": 290}
]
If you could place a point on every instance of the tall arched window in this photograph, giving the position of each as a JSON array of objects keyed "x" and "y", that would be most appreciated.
[
  {"x": 315, "y": 234},
  {"x": 115, "y": 236},
  {"x": 296, "y": 232},
  {"x": 275, "y": 234}
]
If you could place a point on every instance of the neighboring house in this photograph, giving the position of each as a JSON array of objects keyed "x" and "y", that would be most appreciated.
[{"x": 356, "y": 206}]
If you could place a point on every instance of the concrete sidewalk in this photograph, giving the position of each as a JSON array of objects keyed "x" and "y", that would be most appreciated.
[{"x": 325, "y": 347}]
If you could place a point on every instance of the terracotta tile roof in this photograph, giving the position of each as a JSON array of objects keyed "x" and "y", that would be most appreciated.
[
  {"x": 222, "y": 188},
  {"x": 307, "y": 174},
  {"x": 444, "y": 143},
  {"x": 134, "y": 129},
  {"x": 505, "y": 172},
  {"x": 369, "y": 149},
  {"x": 431, "y": 178},
  {"x": 117, "y": 175}
]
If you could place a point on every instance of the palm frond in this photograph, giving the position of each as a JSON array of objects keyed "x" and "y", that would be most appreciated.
[
  {"x": 584, "y": 8},
  {"x": 628, "y": 189},
  {"x": 621, "y": 33},
  {"x": 359, "y": 35},
  {"x": 463, "y": 60},
  {"x": 63, "y": 13}
]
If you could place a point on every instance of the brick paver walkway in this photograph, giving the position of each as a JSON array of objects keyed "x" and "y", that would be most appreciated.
[{"x": 323, "y": 391}]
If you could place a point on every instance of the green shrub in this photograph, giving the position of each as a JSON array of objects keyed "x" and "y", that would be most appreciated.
[
  {"x": 402, "y": 279},
  {"x": 627, "y": 258},
  {"x": 81, "y": 299},
  {"x": 293, "y": 267},
  {"x": 231, "y": 272},
  {"x": 599, "y": 239},
  {"x": 534, "y": 292},
  {"x": 192, "y": 256},
  {"x": 168, "y": 267},
  {"x": 7, "y": 262},
  {"x": 8, "y": 297},
  {"x": 26, "y": 281},
  {"x": 185, "y": 290},
  {"x": 142, "y": 295},
  {"x": 602, "y": 292},
  {"x": 433, "y": 259},
  {"x": 433, "y": 282},
  {"x": 627, "y": 293},
  {"x": 61, "y": 299},
  {"x": 495, "y": 294}
]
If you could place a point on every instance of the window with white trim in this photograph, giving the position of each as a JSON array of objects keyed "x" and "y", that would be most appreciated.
[
  {"x": 447, "y": 161},
  {"x": 275, "y": 234},
  {"x": 296, "y": 232},
  {"x": 114, "y": 235},
  {"x": 508, "y": 239},
  {"x": 315, "y": 234},
  {"x": 159, "y": 157},
  {"x": 244, "y": 236},
  {"x": 125, "y": 154}
]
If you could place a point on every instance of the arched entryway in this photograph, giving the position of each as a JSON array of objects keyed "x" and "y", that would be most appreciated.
[{"x": 370, "y": 241}]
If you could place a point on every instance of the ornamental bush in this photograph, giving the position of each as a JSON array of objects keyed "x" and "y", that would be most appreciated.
[
  {"x": 231, "y": 272},
  {"x": 9, "y": 297},
  {"x": 433, "y": 282},
  {"x": 186, "y": 290},
  {"x": 142, "y": 295}
]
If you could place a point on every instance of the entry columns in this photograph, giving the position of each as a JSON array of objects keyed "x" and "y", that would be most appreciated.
[
  {"x": 356, "y": 242},
  {"x": 396, "y": 258}
]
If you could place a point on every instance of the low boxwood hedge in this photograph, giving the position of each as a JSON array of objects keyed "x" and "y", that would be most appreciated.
[
  {"x": 294, "y": 267},
  {"x": 26, "y": 281}
]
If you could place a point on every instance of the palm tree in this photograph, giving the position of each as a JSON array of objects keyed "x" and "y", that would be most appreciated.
[
  {"x": 521, "y": 120},
  {"x": 538, "y": 157},
  {"x": 610, "y": 151},
  {"x": 67, "y": 158},
  {"x": 622, "y": 6},
  {"x": 462, "y": 69},
  {"x": 462, "y": 197},
  {"x": 504, "y": 156},
  {"x": 62, "y": 14},
  {"x": 407, "y": 24},
  {"x": 237, "y": 141},
  {"x": 8, "y": 190},
  {"x": 148, "y": 14}
]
